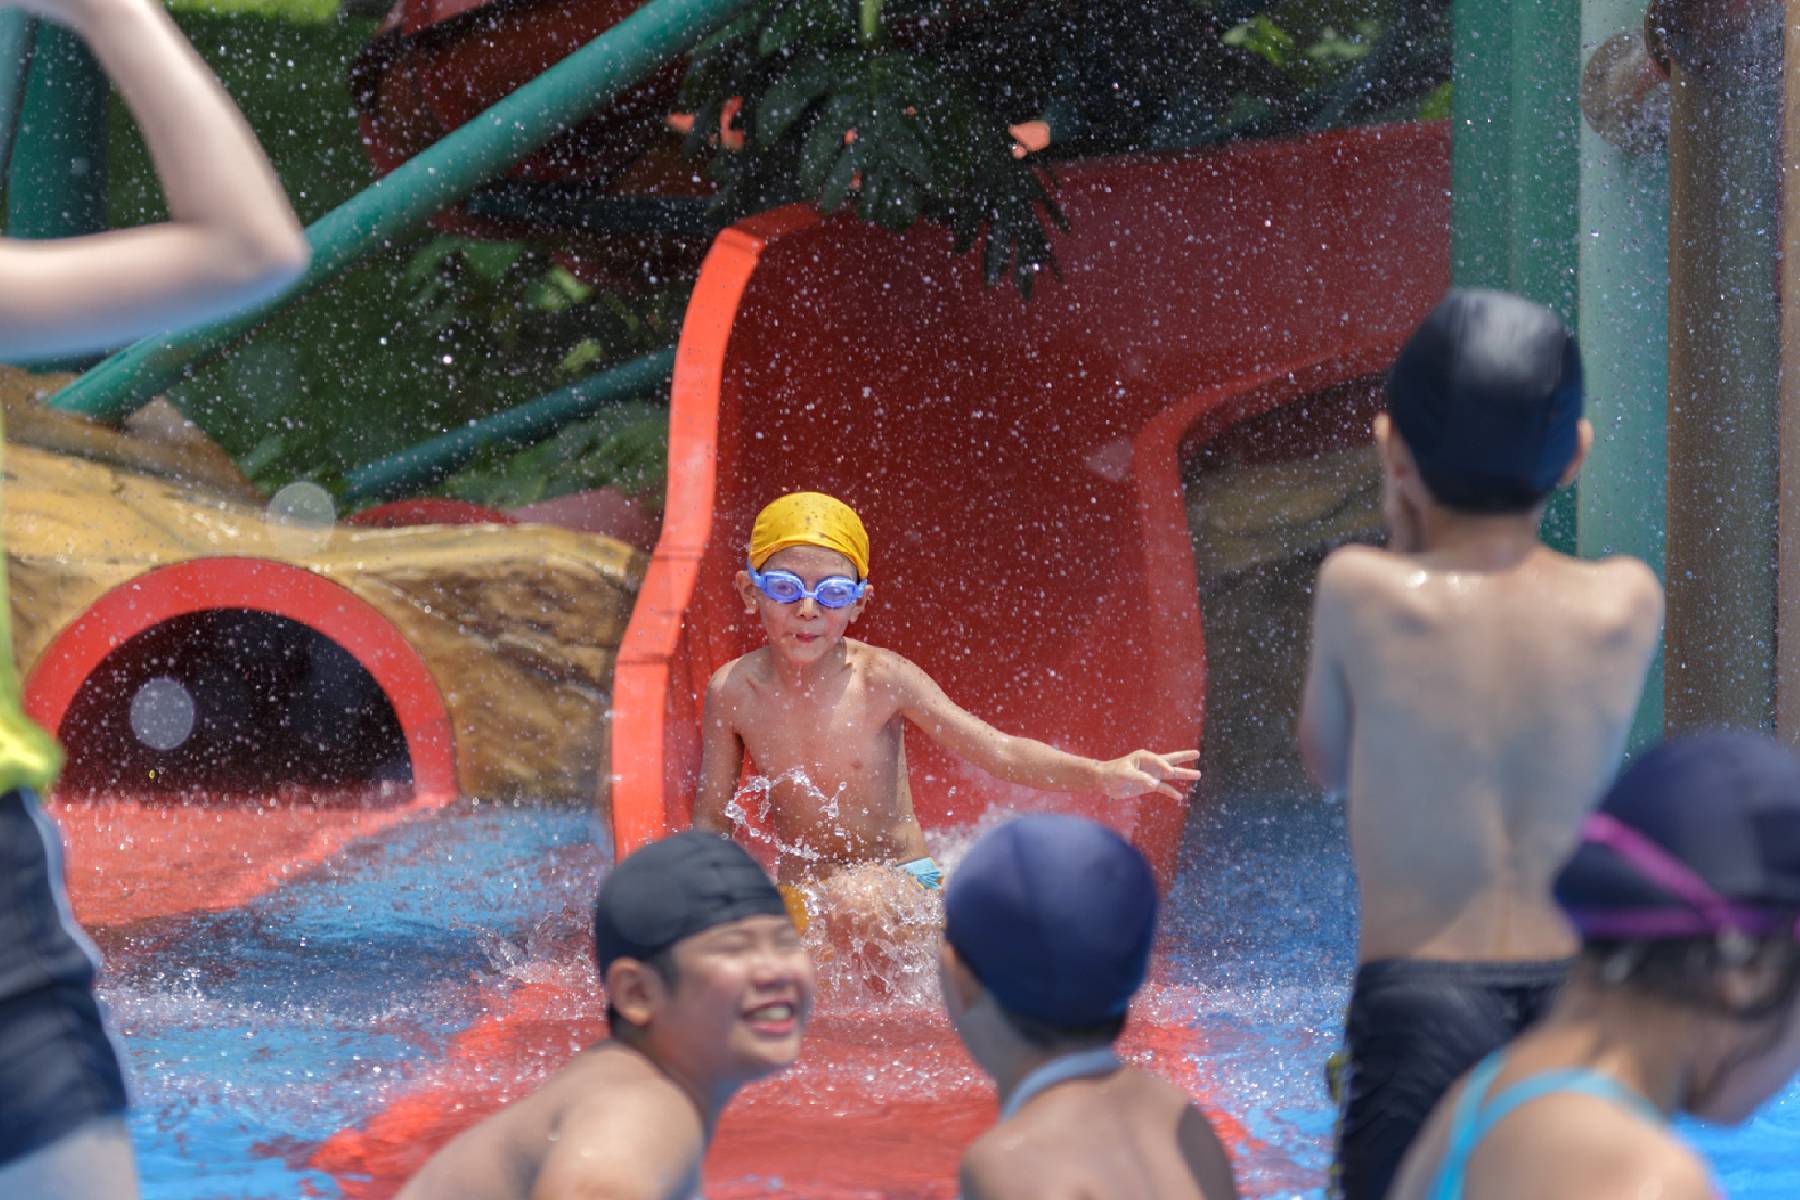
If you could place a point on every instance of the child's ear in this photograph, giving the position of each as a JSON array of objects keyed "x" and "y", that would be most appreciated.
[
  {"x": 957, "y": 980},
  {"x": 635, "y": 989},
  {"x": 868, "y": 595},
  {"x": 1584, "y": 442},
  {"x": 746, "y": 588},
  {"x": 1395, "y": 462}
]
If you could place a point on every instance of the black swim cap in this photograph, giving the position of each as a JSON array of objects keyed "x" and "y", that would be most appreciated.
[
  {"x": 674, "y": 888},
  {"x": 1487, "y": 395},
  {"x": 1054, "y": 915},
  {"x": 1699, "y": 836}
]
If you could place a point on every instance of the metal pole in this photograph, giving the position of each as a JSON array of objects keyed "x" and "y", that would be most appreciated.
[
  {"x": 57, "y": 178},
  {"x": 1624, "y": 334},
  {"x": 424, "y": 185},
  {"x": 1515, "y": 178},
  {"x": 1724, "y": 362},
  {"x": 532, "y": 421},
  {"x": 17, "y": 32},
  {"x": 1787, "y": 631}
]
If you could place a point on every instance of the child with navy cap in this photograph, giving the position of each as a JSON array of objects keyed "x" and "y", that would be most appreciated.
[
  {"x": 708, "y": 988},
  {"x": 1047, "y": 932},
  {"x": 1469, "y": 692},
  {"x": 1685, "y": 999}
]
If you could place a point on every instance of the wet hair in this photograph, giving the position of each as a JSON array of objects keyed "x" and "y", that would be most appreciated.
[
  {"x": 1487, "y": 396},
  {"x": 663, "y": 963},
  {"x": 1690, "y": 972}
]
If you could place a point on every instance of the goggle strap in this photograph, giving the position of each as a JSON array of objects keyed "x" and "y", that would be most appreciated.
[{"x": 1666, "y": 872}]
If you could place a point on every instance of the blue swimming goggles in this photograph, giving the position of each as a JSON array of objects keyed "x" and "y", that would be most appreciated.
[{"x": 785, "y": 587}]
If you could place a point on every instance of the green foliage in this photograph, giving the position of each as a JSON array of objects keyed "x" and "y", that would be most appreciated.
[
  {"x": 312, "y": 11},
  {"x": 897, "y": 110},
  {"x": 626, "y": 446},
  {"x": 420, "y": 338},
  {"x": 900, "y": 109}
]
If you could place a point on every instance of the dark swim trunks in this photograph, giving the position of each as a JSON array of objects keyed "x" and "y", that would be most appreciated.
[
  {"x": 1413, "y": 1029},
  {"x": 58, "y": 1066}
]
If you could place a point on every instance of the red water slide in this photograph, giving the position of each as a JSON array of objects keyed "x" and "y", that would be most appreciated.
[{"x": 1018, "y": 463}]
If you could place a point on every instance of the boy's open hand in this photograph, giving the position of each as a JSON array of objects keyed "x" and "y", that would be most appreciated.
[{"x": 1141, "y": 771}]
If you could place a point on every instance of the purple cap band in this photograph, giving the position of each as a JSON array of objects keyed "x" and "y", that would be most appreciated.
[{"x": 1710, "y": 912}]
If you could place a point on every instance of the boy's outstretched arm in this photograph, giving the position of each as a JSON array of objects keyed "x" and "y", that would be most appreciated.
[
  {"x": 1023, "y": 760},
  {"x": 231, "y": 239},
  {"x": 721, "y": 760},
  {"x": 1324, "y": 732}
]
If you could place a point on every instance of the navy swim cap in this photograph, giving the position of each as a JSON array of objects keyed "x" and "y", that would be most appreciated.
[
  {"x": 1055, "y": 916},
  {"x": 1699, "y": 836},
  {"x": 674, "y": 888},
  {"x": 1487, "y": 396}
]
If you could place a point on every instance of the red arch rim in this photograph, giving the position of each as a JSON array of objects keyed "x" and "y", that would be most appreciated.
[{"x": 258, "y": 585}]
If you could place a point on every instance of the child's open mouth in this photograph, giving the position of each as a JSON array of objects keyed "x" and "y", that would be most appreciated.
[{"x": 778, "y": 1019}]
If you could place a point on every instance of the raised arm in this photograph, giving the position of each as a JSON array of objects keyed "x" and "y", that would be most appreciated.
[
  {"x": 231, "y": 240},
  {"x": 1023, "y": 760},
  {"x": 721, "y": 759},
  {"x": 1324, "y": 732}
]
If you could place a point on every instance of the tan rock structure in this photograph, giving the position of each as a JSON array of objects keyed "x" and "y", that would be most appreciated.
[{"x": 517, "y": 625}]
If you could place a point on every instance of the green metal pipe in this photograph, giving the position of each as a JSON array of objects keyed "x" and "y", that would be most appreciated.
[
  {"x": 424, "y": 185},
  {"x": 1624, "y": 341},
  {"x": 56, "y": 174},
  {"x": 57, "y": 178},
  {"x": 532, "y": 421},
  {"x": 16, "y": 34},
  {"x": 1514, "y": 162}
]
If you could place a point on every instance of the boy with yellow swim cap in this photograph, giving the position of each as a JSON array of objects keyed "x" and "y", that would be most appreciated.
[{"x": 821, "y": 713}]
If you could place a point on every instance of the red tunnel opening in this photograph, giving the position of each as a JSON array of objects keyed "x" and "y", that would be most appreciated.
[
  {"x": 232, "y": 702},
  {"x": 234, "y": 676}
]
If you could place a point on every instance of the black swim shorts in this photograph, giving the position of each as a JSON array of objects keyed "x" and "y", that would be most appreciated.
[
  {"x": 58, "y": 1066},
  {"x": 1413, "y": 1029}
]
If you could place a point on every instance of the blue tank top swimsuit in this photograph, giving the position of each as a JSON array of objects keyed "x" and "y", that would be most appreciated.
[{"x": 1476, "y": 1115}]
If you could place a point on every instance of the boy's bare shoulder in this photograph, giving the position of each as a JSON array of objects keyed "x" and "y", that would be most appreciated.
[
  {"x": 1358, "y": 572},
  {"x": 882, "y": 667},
  {"x": 1005, "y": 1164},
  {"x": 736, "y": 677},
  {"x": 1622, "y": 594}
]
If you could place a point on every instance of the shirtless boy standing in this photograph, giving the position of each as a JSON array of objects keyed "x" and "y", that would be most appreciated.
[
  {"x": 1047, "y": 932},
  {"x": 817, "y": 704},
  {"x": 1469, "y": 692},
  {"x": 708, "y": 988}
]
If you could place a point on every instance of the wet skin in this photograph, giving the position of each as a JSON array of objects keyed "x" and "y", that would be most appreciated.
[
  {"x": 818, "y": 706},
  {"x": 632, "y": 1116}
]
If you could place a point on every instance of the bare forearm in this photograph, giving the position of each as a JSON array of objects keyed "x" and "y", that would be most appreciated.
[
  {"x": 1034, "y": 764},
  {"x": 212, "y": 170}
]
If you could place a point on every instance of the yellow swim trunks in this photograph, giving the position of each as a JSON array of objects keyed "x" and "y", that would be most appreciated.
[{"x": 795, "y": 901}]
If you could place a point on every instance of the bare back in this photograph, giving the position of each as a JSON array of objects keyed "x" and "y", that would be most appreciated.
[
  {"x": 1128, "y": 1136},
  {"x": 1487, "y": 710},
  {"x": 609, "y": 1104},
  {"x": 837, "y": 758}
]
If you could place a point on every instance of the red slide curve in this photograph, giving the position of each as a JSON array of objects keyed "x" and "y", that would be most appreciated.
[
  {"x": 1019, "y": 468},
  {"x": 1017, "y": 463}
]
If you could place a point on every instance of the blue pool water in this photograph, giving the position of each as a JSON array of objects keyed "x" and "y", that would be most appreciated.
[{"x": 256, "y": 1033}]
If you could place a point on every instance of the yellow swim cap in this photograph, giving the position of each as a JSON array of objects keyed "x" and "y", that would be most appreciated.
[{"x": 810, "y": 519}]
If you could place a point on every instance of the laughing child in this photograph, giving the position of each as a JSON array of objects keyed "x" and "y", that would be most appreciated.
[{"x": 822, "y": 715}]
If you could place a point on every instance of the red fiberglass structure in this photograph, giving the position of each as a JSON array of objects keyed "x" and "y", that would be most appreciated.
[{"x": 1018, "y": 463}]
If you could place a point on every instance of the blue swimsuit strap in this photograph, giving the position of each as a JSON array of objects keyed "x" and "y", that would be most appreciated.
[{"x": 1474, "y": 1119}]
